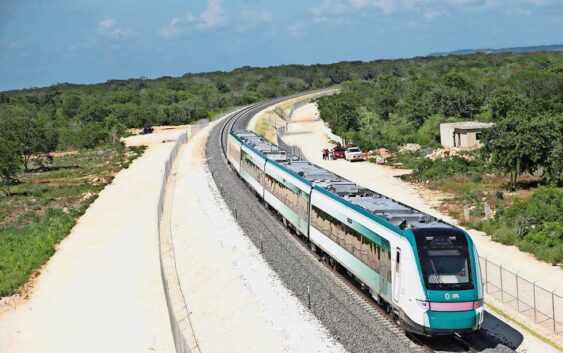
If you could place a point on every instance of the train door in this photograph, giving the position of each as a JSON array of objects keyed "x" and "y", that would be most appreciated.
[
  {"x": 383, "y": 278},
  {"x": 263, "y": 181},
  {"x": 383, "y": 269},
  {"x": 397, "y": 276}
]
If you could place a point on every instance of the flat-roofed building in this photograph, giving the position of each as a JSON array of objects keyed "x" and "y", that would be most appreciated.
[{"x": 465, "y": 135}]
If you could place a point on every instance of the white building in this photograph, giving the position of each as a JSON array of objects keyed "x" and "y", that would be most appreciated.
[{"x": 465, "y": 135}]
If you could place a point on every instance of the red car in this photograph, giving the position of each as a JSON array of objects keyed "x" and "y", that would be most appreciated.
[{"x": 338, "y": 152}]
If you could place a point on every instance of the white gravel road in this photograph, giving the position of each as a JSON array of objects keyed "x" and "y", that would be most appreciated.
[{"x": 237, "y": 303}]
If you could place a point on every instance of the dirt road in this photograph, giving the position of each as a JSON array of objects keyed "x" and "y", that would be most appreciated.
[{"x": 102, "y": 291}]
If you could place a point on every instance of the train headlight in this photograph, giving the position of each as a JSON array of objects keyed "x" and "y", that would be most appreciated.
[
  {"x": 424, "y": 305},
  {"x": 477, "y": 304}
]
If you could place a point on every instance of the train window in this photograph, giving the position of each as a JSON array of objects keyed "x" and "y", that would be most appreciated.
[
  {"x": 297, "y": 201},
  {"x": 444, "y": 258},
  {"x": 398, "y": 261},
  {"x": 446, "y": 266},
  {"x": 251, "y": 168},
  {"x": 348, "y": 238}
]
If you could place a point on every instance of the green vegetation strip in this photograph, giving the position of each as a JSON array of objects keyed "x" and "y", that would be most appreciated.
[
  {"x": 525, "y": 327},
  {"x": 44, "y": 206}
]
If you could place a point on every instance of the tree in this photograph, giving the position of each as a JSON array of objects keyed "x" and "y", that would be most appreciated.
[
  {"x": 519, "y": 143},
  {"x": 115, "y": 130},
  {"x": 10, "y": 164},
  {"x": 347, "y": 118},
  {"x": 551, "y": 126},
  {"x": 417, "y": 105},
  {"x": 71, "y": 105},
  {"x": 388, "y": 94},
  {"x": 504, "y": 100},
  {"x": 456, "y": 96},
  {"x": 34, "y": 137},
  {"x": 92, "y": 135}
]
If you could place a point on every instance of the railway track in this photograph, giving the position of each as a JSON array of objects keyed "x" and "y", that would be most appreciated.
[{"x": 345, "y": 283}]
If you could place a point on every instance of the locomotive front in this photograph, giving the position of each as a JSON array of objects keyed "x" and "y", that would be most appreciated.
[{"x": 449, "y": 267}]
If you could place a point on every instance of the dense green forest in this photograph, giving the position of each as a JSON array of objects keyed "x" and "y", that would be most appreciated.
[
  {"x": 394, "y": 101},
  {"x": 521, "y": 93}
]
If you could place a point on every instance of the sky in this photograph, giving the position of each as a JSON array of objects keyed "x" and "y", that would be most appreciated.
[{"x": 43, "y": 42}]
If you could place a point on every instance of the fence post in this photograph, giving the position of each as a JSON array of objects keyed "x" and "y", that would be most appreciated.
[
  {"x": 486, "y": 274},
  {"x": 517, "y": 293},
  {"x": 501, "y": 286},
  {"x": 553, "y": 308},
  {"x": 535, "y": 312}
]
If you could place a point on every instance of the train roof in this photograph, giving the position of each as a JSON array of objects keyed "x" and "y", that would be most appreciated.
[
  {"x": 266, "y": 148},
  {"x": 375, "y": 203}
]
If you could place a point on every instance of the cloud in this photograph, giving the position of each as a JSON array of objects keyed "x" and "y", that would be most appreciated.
[
  {"x": 330, "y": 10},
  {"x": 15, "y": 45},
  {"x": 252, "y": 18},
  {"x": 178, "y": 25},
  {"x": 214, "y": 16},
  {"x": 295, "y": 30},
  {"x": 107, "y": 28},
  {"x": 536, "y": 2},
  {"x": 358, "y": 4},
  {"x": 430, "y": 14}
]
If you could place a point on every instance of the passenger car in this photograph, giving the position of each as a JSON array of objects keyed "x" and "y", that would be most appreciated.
[{"x": 354, "y": 154}]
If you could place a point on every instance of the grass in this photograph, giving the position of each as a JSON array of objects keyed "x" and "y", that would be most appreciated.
[
  {"x": 44, "y": 207},
  {"x": 524, "y": 326}
]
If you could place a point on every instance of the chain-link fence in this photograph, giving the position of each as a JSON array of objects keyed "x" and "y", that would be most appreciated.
[
  {"x": 328, "y": 131},
  {"x": 543, "y": 306},
  {"x": 197, "y": 127},
  {"x": 180, "y": 343},
  {"x": 177, "y": 312},
  {"x": 291, "y": 150},
  {"x": 297, "y": 106}
]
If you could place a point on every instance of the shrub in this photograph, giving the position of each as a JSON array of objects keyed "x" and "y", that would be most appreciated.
[
  {"x": 534, "y": 225},
  {"x": 444, "y": 167}
]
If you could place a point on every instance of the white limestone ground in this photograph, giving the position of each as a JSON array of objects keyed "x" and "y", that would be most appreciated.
[
  {"x": 236, "y": 302},
  {"x": 102, "y": 290},
  {"x": 307, "y": 132}
]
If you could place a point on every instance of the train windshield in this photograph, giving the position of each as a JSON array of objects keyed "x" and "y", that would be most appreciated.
[
  {"x": 445, "y": 261},
  {"x": 445, "y": 266}
]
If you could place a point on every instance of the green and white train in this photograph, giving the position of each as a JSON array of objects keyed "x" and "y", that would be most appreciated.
[{"x": 426, "y": 271}]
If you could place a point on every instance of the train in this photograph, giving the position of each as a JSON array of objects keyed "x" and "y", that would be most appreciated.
[{"x": 423, "y": 270}]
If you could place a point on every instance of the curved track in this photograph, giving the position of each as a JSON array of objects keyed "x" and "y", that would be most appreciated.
[{"x": 357, "y": 322}]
